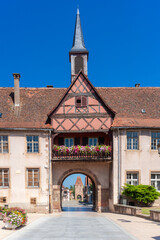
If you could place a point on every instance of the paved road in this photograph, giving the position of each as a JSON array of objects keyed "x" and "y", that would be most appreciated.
[{"x": 72, "y": 224}]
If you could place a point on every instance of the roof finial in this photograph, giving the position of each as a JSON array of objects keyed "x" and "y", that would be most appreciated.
[{"x": 77, "y": 9}]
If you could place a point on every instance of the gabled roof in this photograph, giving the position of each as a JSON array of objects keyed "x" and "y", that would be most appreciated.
[
  {"x": 78, "y": 40},
  {"x": 129, "y": 103},
  {"x": 36, "y": 103},
  {"x": 79, "y": 181},
  {"x": 73, "y": 82}
]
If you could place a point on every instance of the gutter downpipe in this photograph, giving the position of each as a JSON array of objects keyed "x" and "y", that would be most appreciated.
[
  {"x": 49, "y": 180},
  {"x": 119, "y": 167}
]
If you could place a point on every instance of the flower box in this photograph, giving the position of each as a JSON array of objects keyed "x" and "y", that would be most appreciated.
[
  {"x": 10, "y": 226},
  {"x": 100, "y": 151},
  {"x": 14, "y": 218}
]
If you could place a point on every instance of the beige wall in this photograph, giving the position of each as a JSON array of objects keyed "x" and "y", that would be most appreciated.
[
  {"x": 144, "y": 160},
  {"x": 17, "y": 160}
]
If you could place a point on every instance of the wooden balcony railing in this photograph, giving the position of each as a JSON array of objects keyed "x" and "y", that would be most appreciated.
[{"x": 61, "y": 153}]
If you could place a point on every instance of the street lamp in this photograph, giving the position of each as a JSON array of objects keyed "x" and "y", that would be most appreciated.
[{"x": 158, "y": 147}]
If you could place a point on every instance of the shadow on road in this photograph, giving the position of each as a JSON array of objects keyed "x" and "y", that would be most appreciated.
[{"x": 75, "y": 206}]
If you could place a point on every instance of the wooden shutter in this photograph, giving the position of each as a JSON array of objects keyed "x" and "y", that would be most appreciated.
[
  {"x": 78, "y": 102},
  {"x": 84, "y": 141},
  {"x": 101, "y": 140},
  {"x": 77, "y": 141},
  {"x": 84, "y": 101},
  {"x": 60, "y": 141}
]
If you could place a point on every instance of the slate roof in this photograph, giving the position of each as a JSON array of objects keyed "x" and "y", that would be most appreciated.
[
  {"x": 36, "y": 103},
  {"x": 78, "y": 40}
]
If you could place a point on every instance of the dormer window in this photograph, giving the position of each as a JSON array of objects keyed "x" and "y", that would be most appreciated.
[{"x": 81, "y": 101}]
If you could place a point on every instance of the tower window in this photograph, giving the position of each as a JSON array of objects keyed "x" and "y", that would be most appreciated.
[{"x": 78, "y": 64}]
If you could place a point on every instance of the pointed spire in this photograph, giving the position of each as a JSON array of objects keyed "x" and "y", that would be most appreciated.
[{"x": 78, "y": 40}]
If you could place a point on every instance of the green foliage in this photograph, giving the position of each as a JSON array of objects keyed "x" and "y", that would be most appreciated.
[
  {"x": 73, "y": 189},
  {"x": 142, "y": 194}
]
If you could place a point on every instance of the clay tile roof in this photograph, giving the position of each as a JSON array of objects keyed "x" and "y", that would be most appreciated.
[
  {"x": 79, "y": 181},
  {"x": 129, "y": 103},
  {"x": 36, "y": 103}
]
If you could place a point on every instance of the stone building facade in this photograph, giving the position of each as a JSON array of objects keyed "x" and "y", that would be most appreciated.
[{"x": 34, "y": 122}]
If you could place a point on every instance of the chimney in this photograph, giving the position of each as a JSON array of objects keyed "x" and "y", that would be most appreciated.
[
  {"x": 16, "y": 89},
  {"x": 137, "y": 85}
]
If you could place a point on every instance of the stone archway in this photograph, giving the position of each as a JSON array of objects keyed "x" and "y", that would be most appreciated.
[
  {"x": 88, "y": 173},
  {"x": 94, "y": 172}
]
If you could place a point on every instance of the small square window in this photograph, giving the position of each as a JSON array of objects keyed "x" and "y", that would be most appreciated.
[
  {"x": 32, "y": 144},
  {"x": 132, "y": 178},
  {"x": 3, "y": 144},
  {"x": 132, "y": 140},
  {"x": 155, "y": 140},
  {"x": 69, "y": 142},
  {"x": 93, "y": 141},
  {"x": 155, "y": 180},
  {"x": 33, "y": 177},
  {"x": 4, "y": 177},
  {"x": 81, "y": 101}
]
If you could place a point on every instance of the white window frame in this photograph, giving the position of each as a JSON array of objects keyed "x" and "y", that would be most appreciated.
[
  {"x": 2, "y": 170},
  {"x": 70, "y": 142},
  {"x": 33, "y": 182},
  {"x": 155, "y": 180},
  {"x": 2, "y": 143},
  {"x": 32, "y": 142},
  {"x": 91, "y": 141},
  {"x": 155, "y": 140},
  {"x": 133, "y": 139},
  {"x": 132, "y": 180}
]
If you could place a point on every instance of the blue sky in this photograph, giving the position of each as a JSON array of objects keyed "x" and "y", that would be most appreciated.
[{"x": 123, "y": 39}]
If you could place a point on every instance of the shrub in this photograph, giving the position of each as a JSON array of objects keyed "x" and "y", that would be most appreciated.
[{"x": 143, "y": 194}]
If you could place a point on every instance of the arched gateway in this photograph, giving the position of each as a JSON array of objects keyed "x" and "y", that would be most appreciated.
[
  {"x": 81, "y": 140},
  {"x": 97, "y": 172}
]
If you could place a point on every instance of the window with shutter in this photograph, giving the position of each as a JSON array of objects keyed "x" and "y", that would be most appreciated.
[
  {"x": 81, "y": 101},
  {"x": 78, "y": 102}
]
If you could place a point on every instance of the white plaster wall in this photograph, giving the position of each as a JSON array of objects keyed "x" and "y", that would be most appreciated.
[
  {"x": 144, "y": 160},
  {"x": 18, "y": 160}
]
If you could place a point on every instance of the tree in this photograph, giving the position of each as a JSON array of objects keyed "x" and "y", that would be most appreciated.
[
  {"x": 143, "y": 194},
  {"x": 72, "y": 188}
]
